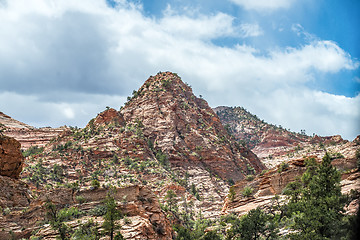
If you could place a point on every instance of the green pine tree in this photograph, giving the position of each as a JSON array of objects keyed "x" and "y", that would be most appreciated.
[
  {"x": 110, "y": 217},
  {"x": 316, "y": 204},
  {"x": 56, "y": 219}
]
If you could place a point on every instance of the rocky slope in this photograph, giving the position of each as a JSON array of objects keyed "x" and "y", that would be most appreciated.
[
  {"x": 23, "y": 211},
  {"x": 277, "y": 147},
  {"x": 163, "y": 139},
  {"x": 275, "y": 144},
  {"x": 27, "y": 135},
  {"x": 186, "y": 128},
  {"x": 273, "y": 181},
  {"x": 145, "y": 219}
]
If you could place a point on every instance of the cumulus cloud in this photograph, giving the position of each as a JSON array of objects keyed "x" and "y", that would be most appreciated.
[
  {"x": 264, "y": 5},
  {"x": 62, "y": 62}
]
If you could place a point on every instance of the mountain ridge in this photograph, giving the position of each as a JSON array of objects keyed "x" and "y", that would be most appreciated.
[{"x": 165, "y": 149}]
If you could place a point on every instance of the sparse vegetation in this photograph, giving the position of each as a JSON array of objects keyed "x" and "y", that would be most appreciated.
[
  {"x": 163, "y": 159},
  {"x": 95, "y": 184},
  {"x": 171, "y": 200},
  {"x": 2, "y": 128},
  {"x": 33, "y": 150},
  {"x": 231, "y": 194},
  {"x": 283, "y": 167},
  {"x": 247, "y": 191},
  {"x": 250, "y": 177}
]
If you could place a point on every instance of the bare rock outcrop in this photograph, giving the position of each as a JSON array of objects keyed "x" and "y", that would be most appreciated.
[
  {"x": 109, "y": 116},
  {"x": 264, "y": 188},
  {"x": 13, "y": 193},
  {"x": 11, "y": 158}
]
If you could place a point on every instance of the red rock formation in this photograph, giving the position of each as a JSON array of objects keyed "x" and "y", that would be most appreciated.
[
  {"x": 13, "y": 193},
  {"x": 11, "y": 158},
  {"x": 109, "y": 116},
  {"x": 187, "y": 129},
  {"x": 27, "y": 135}
]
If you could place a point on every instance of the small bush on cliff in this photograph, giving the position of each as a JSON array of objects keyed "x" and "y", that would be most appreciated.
[
  {"x": 247, "y": 191},
  {"x": 231, "y": 194},
  {"x": 2, "y": 128},
  {"x": 95, "y": 184},
  {"x": 163, "y": 159},
  {"x": 196, "y": 231},
  {"x": 283, "y": 167},
  {"x": 249, "y": 177},
  {"x": 57, "y": 173},
  {"x": 88, "y": 231},
  {"x": 98, "y": 210},
  {"x": 33, "y": 150},
  {"x": 80, "y": 199},
  {"x": 171, "y": 200},
  {"x": 255, "y": 225},
  {"x": 56, "y": 221}
]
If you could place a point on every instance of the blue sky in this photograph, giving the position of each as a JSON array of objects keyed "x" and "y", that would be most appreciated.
[
  {"x": 332, "y": 20},
  {"x": 291, "y": 62}
]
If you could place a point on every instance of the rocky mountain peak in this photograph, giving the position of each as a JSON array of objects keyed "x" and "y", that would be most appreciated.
[{"x": 184, "y": 127}]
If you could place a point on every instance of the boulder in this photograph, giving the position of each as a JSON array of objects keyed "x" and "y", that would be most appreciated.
[{"x": 11, "y": 158}]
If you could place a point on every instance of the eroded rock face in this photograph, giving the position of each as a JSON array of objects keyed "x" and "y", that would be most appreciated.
[
  {"x": 27, "y": 135},
  {"x": 109, "y": 116},
  {"x": 11, "y": 158},
  {"x": 13, "y": 193},
  {"x": 264, "y": 188}
]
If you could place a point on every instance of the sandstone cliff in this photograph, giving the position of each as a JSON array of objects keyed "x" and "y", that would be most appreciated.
[{"x": 27, "y": 135}]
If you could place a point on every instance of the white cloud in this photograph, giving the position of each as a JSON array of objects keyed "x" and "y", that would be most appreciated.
[
  {"x": 62, "y": 62},
  {"x": 39, "y": 113},
  {"x": 325, "y": 56},
  {"x": 250, "y": 30},
  {"x": 201, "y": 27},
  {"x": 264, "y": 5},
  {"x": 69, "y": 112}
]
